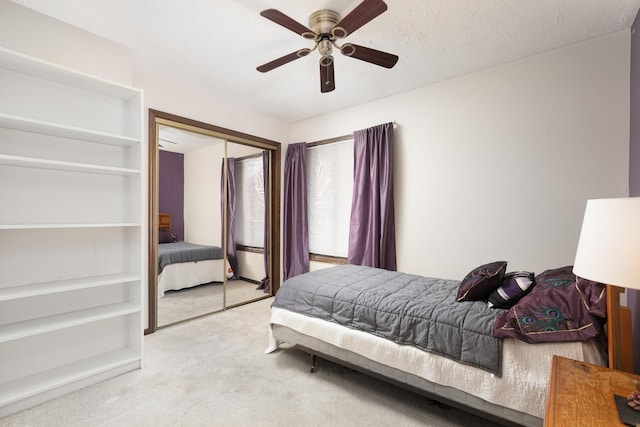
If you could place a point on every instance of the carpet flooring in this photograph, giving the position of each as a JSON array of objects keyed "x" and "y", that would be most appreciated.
[
  {"x": 213, "y": 372},
  {"x": 187, "y": 303}
]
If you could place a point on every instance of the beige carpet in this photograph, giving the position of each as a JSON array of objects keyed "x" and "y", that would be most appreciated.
[
  {"x": 212, "y": 372},
  {"x": 175, "y": 306}
]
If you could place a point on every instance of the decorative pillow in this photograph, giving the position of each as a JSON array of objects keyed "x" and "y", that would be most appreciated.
[
  {"x": 481, "y": 281},
  {"x": 596, "y": 294},
  {"x": 559, "y": 308},
  {"x": 515, "y": 285},
  {"x": 165, "y": 236}
]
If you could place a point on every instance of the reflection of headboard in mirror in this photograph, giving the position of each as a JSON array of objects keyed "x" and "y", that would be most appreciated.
[{"x": 164, "y": 221}]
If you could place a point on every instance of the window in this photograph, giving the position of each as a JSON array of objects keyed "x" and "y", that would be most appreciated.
[
  {"x": 329, "y": 192},
  {"x": 250, "y": 208}
]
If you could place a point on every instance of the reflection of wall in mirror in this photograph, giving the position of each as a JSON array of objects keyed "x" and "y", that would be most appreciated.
[
  {"x": 202, "y": 214},
  {"x": 201, "y": 201},
  {"x": 171, "y": 189},
  {"x": 251, "y": 265}
]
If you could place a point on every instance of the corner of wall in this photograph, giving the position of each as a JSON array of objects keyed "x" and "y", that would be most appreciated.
[{"x": 35, "y": 34}]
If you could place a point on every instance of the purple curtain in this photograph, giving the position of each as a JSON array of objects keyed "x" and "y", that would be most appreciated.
[
  {"x": 295, "y": 224},
  {"x": 266, "y": 282},
  {"x": 372, "y": 231},
  {"x": 231, "y": 213}
]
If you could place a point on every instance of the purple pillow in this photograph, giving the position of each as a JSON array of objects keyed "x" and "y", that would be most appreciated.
[
  {"x": 559, "y": 308},
  {"x": 595, "y": 294},
  {"x": 481, "y": 281},
  {"x": 166, "y": 236},
  {"x": 515, "y": 285}
]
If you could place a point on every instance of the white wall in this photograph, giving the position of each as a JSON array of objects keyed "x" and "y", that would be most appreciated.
[
  {"x": 196, "y": 103},
  {"x": 202, "y": 175},
  {"x": 251, "y": 265},
  {"x": 202, "y": 215},
  {"x": 35, "y": 34},
  {"x": 498, "y": 164}
]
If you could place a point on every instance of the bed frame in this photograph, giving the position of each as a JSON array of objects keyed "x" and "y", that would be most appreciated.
[
  {"x": 620, "y": 357},
  {"x": 443, "y": 394},
  {"x": 164, "y": 221}
]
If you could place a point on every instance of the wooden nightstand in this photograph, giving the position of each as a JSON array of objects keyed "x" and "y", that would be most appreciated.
[{"x": 581, "y": 394}]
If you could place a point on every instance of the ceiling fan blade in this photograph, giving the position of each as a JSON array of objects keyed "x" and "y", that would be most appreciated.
[
  {"x": 363, "y": 13},
  {"x": 289, "y": 23},
  {"x": 327, "y": 78},
  {"x": 283, "y": 60},
  {"x": 367, "y": 54}
]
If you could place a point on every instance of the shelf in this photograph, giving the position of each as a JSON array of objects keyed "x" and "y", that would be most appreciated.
[
  {"x": 34, "y": 384},
  {"x": 80, "y": 181},
  {"x": 54, "y": 129},
  {"x": 42, "y": 325},
  {"x": 16, "y": 292},
  {"x": 62, "y": 226},
  {"x": 10, "y": 160},
  {"x": 25, "y": 64}
]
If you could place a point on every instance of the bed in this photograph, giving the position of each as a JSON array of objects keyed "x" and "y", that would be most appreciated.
[
  {"x": 184, "y": 265},
  {"x": 397, "y": 327}
]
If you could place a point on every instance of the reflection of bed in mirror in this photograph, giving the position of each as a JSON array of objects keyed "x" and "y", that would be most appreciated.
[
  {"x": 184, "y": 265},
  {"x": 186, "y": 274}
]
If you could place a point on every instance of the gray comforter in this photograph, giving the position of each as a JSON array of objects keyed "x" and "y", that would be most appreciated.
[
  {"x": 405, "y": 308},
  {"x": 172, "y": 253}
]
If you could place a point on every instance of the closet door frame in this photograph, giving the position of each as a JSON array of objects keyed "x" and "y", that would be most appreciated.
[{"x": 156, "y": 118}]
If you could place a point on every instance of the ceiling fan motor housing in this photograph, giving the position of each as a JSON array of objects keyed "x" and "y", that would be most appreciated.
[{"x": 323, "y": 21}]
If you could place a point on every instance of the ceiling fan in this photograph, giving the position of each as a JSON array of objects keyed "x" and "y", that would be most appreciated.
[{"x": 326, "y": 28}]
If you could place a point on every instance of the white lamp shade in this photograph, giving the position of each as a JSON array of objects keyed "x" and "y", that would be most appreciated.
[{"x": 609, "y": 247}]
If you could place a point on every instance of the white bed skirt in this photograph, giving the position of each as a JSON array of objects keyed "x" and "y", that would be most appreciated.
[
  {"x": 526, "y": 368},
  {"x": 189, "y": 274}
]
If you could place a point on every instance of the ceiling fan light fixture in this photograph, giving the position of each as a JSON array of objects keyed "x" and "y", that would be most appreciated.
[{"x": 324, "y": 47}]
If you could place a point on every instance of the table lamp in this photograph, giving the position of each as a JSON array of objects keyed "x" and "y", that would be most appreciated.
[{"x": 609, "y": 252}]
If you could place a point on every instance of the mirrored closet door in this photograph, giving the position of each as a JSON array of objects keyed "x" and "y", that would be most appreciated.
[
  {"x": 190, "y": 257},
  {"x": 213, "y": 202},
  {"x": 248, "y": 191}
]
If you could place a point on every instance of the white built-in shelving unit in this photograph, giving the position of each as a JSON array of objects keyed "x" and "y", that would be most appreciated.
[{"x": 72, "y": 230}]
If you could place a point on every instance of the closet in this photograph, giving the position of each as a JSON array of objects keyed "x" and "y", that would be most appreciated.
[
  {"x": 206, "y": 183},
  {"x": 72, "y": 230}
]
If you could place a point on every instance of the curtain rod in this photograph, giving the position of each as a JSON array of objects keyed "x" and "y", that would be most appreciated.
[{"x": 336, "y": 139}]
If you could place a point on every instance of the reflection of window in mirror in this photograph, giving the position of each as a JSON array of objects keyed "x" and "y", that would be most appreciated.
[
  {"x": 248, "y": 224},
  {"x": 250, "y": 204}
]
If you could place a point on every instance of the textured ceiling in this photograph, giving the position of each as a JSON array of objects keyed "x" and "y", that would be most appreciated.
[
  {"x": 183, "y": 141},
  {"x": 217, "y": 44}
]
